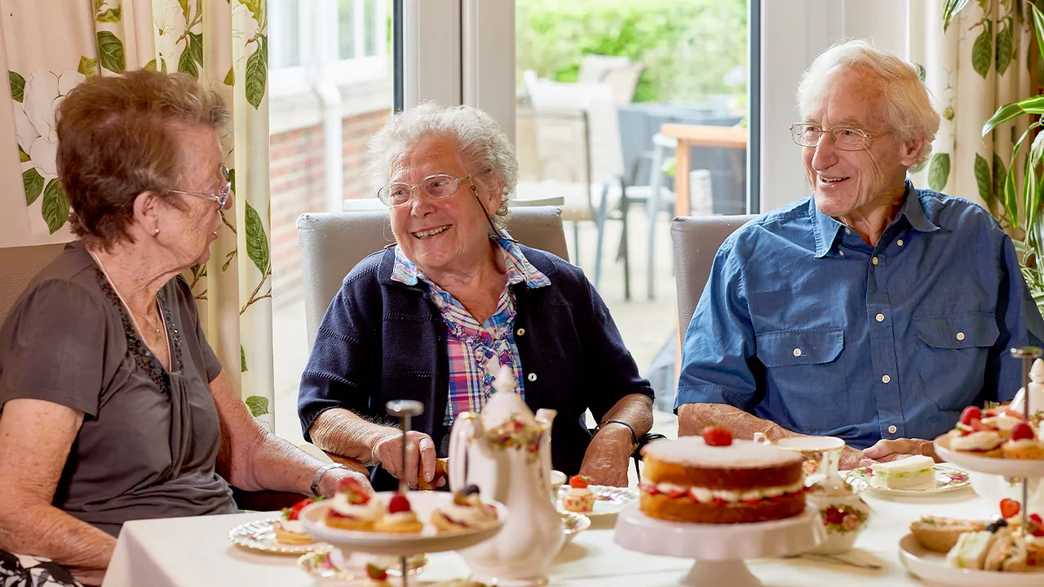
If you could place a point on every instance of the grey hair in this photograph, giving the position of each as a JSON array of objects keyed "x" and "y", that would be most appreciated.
[
  {"x": 482, "y": 143},
  {"x": 908, "y": 104}
]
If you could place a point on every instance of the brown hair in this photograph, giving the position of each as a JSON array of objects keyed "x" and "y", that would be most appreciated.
[{"x": 116, "y": 139}]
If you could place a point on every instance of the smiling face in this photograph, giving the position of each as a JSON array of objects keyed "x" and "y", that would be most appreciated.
[
  {"x": 856, "y": 183},
  {"x": 446, "y": 234},
  {"x": 189, "y": 227}
]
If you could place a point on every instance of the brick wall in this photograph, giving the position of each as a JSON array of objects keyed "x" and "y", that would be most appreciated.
[{"x": 298, "y": 185}]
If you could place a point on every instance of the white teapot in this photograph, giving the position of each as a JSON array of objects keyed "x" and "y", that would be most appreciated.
[{"x": 506, "y": 452}]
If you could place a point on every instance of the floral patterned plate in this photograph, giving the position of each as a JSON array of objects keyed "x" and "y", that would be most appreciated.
[
  {"x": 259, "y": 536},
  {"x": 331, "y": 566},
  {"x": 947, "y": 478},
  {"x": 609, "y": 500}
]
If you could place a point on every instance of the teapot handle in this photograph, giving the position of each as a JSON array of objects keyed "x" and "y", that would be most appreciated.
[{"x": 466, "y": 427}]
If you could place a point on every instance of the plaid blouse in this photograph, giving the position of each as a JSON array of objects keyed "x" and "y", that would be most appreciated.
[{"x": 476, "y": 351}]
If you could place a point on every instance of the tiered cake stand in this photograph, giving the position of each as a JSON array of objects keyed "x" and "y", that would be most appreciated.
[{"x": 718, "y": 550}]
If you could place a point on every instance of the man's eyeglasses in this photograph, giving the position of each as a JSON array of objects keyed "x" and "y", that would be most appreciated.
[
  {"x": 220, "y": 198},
  {"x": 437, "y": 186},
  {"x": 846, "y": 138}
]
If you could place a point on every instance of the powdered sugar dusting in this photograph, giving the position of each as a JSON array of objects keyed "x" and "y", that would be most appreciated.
[{"x": 691, "y": 450}]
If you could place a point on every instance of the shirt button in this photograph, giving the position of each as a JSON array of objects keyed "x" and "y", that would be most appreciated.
[
  {"x": 879, "y": 317},
  {"x": 959, "y": 335},
  {"x": 531, "y": 377},
  {"x": 892, "y": 429},
  {"x": 797, "y": 352},
  {"x": 886, "y": 378},
  {"x": 874, "y": 261},
  {"x": 520, "y": 332},
  {"x": 899, "y": 242},
  {"x": 841, "y": 253}
]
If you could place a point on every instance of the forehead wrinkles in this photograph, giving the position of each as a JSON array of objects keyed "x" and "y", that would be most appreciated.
[{"x": 851, "y": 96}]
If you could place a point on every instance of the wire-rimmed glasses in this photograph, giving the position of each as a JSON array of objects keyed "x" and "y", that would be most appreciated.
[
  {"x": 220, "y": 197},
  {"x": 846, "y": 138},
  {"x": 436, "y": 186}
]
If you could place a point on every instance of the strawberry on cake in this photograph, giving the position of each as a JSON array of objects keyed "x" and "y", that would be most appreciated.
[
  {"x": 466, "y": 512},
  {"x": 353, "y": 507},
  {"x": 288, "y": 529},
  {"x": 400, "y": 518},
  {"x": 718, "y": 480}
]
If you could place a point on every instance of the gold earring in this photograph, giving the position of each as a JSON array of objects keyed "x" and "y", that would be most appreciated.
[{"x": 155, "y": 232}]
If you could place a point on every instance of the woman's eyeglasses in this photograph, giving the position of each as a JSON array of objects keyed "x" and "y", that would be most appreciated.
[
  {"x": 440, "y": 185},
  {"x": 220, "y": 197}
]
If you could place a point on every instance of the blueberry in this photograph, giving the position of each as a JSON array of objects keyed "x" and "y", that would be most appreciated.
[
  {"x": 997, "y": 525},
  {"x": 470, "y": 489}
]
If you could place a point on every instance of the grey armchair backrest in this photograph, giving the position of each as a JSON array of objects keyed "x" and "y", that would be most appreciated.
[
  {"x": 18, "y": 266},
  {"x": 334, "y": 242},
  {"x": 696, "y": 241}
]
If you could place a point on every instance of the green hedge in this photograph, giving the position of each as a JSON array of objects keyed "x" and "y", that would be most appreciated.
[{"x": 687, "y": 45}]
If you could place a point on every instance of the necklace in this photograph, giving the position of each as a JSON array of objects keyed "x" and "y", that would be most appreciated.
[{"x": 158, "y": 330}]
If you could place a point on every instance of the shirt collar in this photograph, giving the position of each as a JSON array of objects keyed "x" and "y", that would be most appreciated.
[
  {"x": 825, "y": 228},
  {"x": 517, "y": 267}
]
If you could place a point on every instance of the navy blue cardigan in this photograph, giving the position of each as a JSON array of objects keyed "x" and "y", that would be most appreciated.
[{"x": 382, "y": 340}]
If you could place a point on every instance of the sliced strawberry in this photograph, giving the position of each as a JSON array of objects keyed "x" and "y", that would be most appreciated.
[
  {"x": 833, "y": 515},
  {"x": 579, "y": 481},
  {"x": 717, "y": 436},
  {"x": 676, "y": 492},
  {"x": 978, "y": 426},
  {"x": 398, "y": 503},
  {"x": 1022, "y": 431},
  {"x": 1009, "y": 508},
  {"x": 294, "y": 511},
  {"x": 649, "y": 488},
  {"x": 970, "y": 413}
]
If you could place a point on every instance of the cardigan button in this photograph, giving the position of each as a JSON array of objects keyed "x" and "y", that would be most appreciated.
[
  {"x": 532, "y": 377},
  {"x": 520, "y": 332}
]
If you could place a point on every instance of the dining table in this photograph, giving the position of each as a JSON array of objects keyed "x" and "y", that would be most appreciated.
[
  {"x": 197, "y": 551},
  {"x": 695, "y": 135}
]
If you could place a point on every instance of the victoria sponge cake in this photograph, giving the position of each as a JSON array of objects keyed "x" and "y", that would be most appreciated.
[{"x": 711, "y": 482}]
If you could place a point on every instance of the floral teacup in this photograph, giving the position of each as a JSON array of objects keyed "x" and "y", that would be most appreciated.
[{"x": 843, "y": 518}]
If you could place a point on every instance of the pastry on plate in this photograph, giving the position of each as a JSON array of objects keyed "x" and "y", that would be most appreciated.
[
  {"x": 399, "y": 518},
  {"x": 1023, "y": 443},
  {"x": 970, "y": 550},
  {"x": 579, "y": 498},
  {"x": 467, "y": 511},
  {"x": 910, "y": 473},
  {"x": 940, "y": 534},
  {"x": 353, "y": 507},
  {"x": 288, "y": 528}
]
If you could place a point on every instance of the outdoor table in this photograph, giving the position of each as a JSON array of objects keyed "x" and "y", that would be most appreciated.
[{"x": 691, "y": 135}]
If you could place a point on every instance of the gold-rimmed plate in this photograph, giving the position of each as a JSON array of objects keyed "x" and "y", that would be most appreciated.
[
  {"x": 259, "y": 536},
  {"x": 947, "y": 478}
]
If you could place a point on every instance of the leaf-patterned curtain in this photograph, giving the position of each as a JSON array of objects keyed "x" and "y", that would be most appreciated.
[
  {"x": 49, "y": 46},
  {"x": 974, "y": 63}
]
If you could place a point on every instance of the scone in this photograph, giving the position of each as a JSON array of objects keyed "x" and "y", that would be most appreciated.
[
  {"x": 399, "y": 517},
  {"x": 353, "y": 507},
  {"x": 466, "y": 512},
  {"x": 940, "y": 534},
  {"x": 288, "y": 529}
]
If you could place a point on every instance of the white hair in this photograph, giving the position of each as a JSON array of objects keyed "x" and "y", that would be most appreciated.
[
  {"x": 908, "y": 105},
  {"x": 483, "y": 145}
]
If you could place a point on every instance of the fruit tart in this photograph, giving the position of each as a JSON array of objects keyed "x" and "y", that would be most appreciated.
[
  {"x": 1023, "y": 443},
  {"x": 354, "y": 507},
  {"x": 971, "y": 434},
  {"x": 399, "y": 518},
  {"x": 466, "y": 512},
  {"x": 288, "y": 529},
  {"x": 578, "y": 497}
]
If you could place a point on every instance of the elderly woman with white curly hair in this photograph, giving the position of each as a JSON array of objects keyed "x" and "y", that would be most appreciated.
[
  {"x": 433, "y": 317},
  {"x": 872, "y": 311}
]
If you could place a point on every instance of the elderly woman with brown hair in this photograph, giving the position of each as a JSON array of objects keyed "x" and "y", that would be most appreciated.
[
  {"x": 434, "y": 317},
  {"x": 114, "y": 406}
]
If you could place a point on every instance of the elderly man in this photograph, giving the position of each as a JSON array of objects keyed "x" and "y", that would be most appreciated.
[{"x": 872, "y": 311}]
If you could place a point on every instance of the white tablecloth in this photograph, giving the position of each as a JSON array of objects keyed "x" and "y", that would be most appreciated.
[{"x": 196, "y": 552}]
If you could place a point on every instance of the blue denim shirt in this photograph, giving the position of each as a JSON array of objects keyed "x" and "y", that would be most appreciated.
[{"x": 804, "y": 324}]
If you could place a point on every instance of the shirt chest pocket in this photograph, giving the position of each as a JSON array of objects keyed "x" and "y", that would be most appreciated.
[
  {"x": 805, "y": 374},
  {"x": 952, "y": 360}
]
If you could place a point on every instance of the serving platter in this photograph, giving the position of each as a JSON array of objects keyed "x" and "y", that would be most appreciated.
[
  {"x": 996, "y": 466},
  {"x": 931, "y": 566}
]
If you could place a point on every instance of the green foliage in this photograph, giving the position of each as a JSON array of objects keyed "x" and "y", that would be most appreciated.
[
  {"x": 687, "y": 47},
  {"x": 256, "y": 240},
  {"x": 939, "y": 171},
  {"x": 88, "y": 67},
  {"x": 258, "y": 405},
  {"x": 110, "y": 51},
  {"x": 32, "y": 183},
  {"x": 17, "y": 85},
  {"x": 55, "y": 207},
  {"x": 242, "y": 360},
  {"x": 257, "y": 72}
]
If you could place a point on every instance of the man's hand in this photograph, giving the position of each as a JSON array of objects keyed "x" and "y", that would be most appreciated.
[
  {"x": 851, "y": 458},
  {"x": 607, "y": 456},
  {"x": 420, "y": 456},
  {"x": 889, "y": 450},
  {"x": 332, "y": 479}
]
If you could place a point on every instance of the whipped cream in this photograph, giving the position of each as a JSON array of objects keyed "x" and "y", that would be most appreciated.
[
  {"x": 1003, "y": 422},
  {"x": 1022, "y": 443},
  {"x": 468, "y": 515},
  {"x": 292, "y": 526},
  {"x": 981, "y": 440},
  {"x": 706, "y": 495},
  {"x": 399, "y": 518},
  {"x": 578, "y": 491},
  {"x": 370, "y": 510}
]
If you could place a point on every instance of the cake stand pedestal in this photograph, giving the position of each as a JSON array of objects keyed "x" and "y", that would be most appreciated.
[{"x": 718, "y": 550}]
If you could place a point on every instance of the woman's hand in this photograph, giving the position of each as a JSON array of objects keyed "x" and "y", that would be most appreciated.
[
  {"x": 607, "y": 457},
  {"x": 420, "y": 456}
]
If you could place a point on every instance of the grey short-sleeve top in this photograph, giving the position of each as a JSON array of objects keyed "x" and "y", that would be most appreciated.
[{"x": 149, "y": 440}]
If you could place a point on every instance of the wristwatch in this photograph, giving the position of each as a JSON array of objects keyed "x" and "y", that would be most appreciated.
[{"x": 314, "y": 487}]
